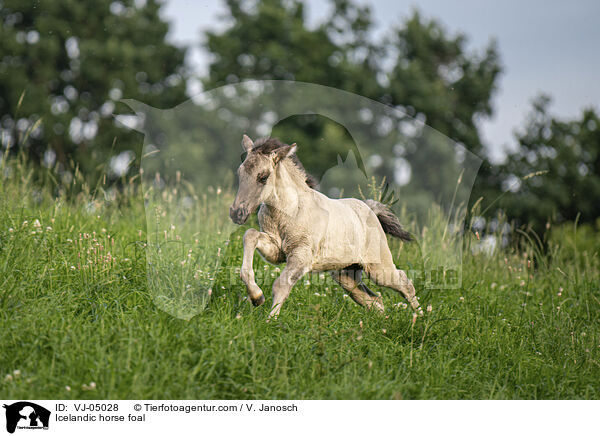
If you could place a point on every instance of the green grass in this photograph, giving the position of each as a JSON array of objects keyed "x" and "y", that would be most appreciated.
[{"x": 64, "y": 325}]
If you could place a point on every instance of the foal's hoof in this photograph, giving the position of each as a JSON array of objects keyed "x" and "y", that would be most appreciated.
[{"x": 258, "y": 301}]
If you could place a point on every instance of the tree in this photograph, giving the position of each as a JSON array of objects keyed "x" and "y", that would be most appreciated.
[
  {"x": 555, "y": 172},
  {"x": 417, "y": 67},
  {"x": 71, "y": 60},
  {"x": 435, "y": 76},
  {"x": 270, "y": 39}
]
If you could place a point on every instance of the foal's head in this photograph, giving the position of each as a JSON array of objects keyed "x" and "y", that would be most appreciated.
[{"x": 255, "y": 174}]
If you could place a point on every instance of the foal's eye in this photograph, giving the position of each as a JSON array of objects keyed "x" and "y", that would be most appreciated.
[{"x": 262, "y": 178}]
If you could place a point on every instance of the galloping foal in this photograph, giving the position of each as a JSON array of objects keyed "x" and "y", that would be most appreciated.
[{"x": 310, "y": 231}]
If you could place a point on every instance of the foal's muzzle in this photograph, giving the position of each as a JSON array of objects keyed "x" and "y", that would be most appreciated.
[{"x": 239, "y": 215}]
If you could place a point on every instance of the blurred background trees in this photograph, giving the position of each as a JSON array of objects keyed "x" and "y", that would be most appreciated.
[
  {"x": 65, "y": 63},
  {"x": 566, "y": 154},
  {"x": 417, "y": 68},
  {"x": 70, "y": 61}
]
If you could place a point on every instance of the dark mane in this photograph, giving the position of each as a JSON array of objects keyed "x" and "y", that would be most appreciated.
[{"x": 268, "y": 145}]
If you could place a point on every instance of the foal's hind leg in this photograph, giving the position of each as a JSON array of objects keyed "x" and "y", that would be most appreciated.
[
  {"x": 386, "y": 274},
  {"x": 253, "y": 239},
  {"x": 350, "y": 280}
]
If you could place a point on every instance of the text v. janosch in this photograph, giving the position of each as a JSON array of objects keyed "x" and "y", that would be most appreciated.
[{"x": 273, "y": 408}]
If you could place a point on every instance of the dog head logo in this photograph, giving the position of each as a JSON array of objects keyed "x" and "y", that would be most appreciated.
[{"x": 26, "y": 415}]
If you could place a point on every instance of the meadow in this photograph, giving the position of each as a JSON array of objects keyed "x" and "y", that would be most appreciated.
[{"x": 77, "y": 320}]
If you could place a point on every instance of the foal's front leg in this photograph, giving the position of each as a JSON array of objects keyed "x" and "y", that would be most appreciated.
[
  {"x": 296, "y": 267},
  {"x": 253, "y": 239}
]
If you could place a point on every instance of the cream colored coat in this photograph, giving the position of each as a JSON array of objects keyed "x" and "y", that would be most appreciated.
[{"x": 310, "y": 232}]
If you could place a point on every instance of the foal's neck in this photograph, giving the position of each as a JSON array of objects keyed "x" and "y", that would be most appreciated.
[{"x": 290, "y": 187}]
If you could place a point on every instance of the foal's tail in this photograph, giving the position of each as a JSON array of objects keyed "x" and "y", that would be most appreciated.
[{"x": 388, "y": 220}]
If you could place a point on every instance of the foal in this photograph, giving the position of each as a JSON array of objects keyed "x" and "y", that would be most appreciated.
[{"x": 310, "y": 231}]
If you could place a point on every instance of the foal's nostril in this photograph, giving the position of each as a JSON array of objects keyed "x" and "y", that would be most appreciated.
[{"x": 237, "y": 215}]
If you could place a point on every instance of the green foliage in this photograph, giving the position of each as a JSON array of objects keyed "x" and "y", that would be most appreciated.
[
  {"x": 431, "y": 75},
  {"x": 73, "y": 60},
  {"x": 554, "y": 175},
  {"x": 436, "y": 75}
]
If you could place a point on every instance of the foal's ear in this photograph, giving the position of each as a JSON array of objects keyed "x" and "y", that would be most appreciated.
[
  {"x": 283, "y": 152},
  {"x": 247, "y": 143}
]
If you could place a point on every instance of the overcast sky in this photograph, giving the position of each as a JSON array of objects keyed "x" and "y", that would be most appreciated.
[{"x": 545, "y": 46}]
